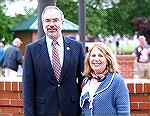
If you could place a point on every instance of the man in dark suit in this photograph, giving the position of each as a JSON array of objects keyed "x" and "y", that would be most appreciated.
[{"x": 45, "y": 91}]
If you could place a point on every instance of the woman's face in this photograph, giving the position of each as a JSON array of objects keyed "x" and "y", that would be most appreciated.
[{"x": 97, "y": 61}]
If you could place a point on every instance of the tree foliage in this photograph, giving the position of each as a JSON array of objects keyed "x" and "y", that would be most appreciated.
[
  {"x": 70, "y": 9},
  {"x": 142, "y": 26},
  {"x": 8, "y": 22},
  {"x": 102, "y": 16},
  {"x": 107, "y": 16}
]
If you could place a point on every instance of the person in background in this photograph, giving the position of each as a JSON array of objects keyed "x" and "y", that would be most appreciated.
[
  {"x": 12, "y": 58},
  {"x": 143, "y": 64},
  {"x": 121, "y": 51},
  {"x": 104, "y": 92},
  {"x": 52, "y": 88},
  {"x": 145, "y": 55},
  {"x": 1, "y": 58}
]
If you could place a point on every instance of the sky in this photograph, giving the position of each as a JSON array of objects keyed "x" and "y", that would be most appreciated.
[{"x": 18, "y": 7}]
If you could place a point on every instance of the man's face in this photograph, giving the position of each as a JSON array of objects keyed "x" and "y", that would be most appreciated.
[
  {"x": 142, "y": 41},
  {"x": 52, "y": 23}
]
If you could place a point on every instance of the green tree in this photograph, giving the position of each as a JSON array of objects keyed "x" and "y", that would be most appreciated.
[
  {"x": 119, "y": 17},
  {"x": 70, "y": 9},
  {"x": 102, "y": 16},
  {"x": 8, "y": 22}
]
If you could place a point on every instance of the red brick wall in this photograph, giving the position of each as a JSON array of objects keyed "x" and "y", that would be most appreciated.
[
  {"x": 139, "y": 98},
  {"x": 11, "y": 103},
  {"x": 126, "y": 63}
]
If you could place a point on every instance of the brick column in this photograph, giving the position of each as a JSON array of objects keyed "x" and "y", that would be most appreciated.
[
  {"x": 126, "y": 63},
  {"x": 139, "y": 97},
  {"x": 11, "y": 103}
]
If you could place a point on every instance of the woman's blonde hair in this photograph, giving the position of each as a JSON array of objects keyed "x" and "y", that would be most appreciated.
[{"x": 112, "y": 65}]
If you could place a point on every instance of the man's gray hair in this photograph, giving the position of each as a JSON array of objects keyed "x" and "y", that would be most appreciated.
[
  {"x": 16, "y": 41},
  {"x": 52, "y": 7}
]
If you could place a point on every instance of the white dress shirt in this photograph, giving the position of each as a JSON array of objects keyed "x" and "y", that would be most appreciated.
[{"x": 59, "y": 46}]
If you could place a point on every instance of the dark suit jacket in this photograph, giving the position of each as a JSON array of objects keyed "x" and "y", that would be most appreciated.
[{"x": 43, "y": 94}]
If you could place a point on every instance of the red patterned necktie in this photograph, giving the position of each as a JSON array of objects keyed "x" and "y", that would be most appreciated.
[{"x": 56, "y": 60}]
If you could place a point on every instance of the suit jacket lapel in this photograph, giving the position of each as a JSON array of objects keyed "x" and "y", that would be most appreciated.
[{"x": 67, "y": 54}]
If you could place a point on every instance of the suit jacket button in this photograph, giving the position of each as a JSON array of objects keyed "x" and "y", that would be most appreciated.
[{"x": 58, "y": 85}]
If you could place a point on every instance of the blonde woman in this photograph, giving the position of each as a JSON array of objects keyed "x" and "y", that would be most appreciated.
[{"x": 104, "y": 92}]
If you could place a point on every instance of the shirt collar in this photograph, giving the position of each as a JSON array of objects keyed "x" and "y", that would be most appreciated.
[{"x": 59, "y": 40}]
